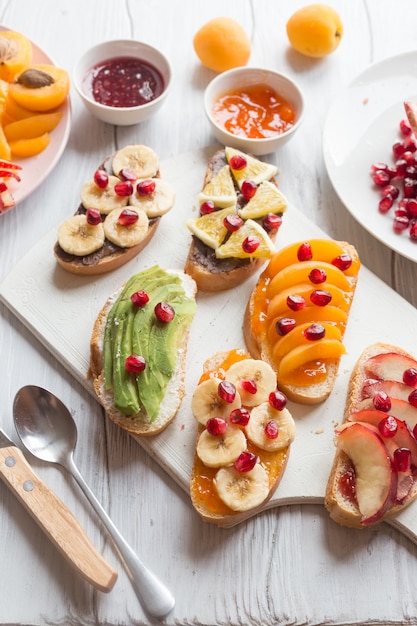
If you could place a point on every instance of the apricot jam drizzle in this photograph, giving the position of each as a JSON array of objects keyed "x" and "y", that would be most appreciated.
[{"x": 255, "y": 112}]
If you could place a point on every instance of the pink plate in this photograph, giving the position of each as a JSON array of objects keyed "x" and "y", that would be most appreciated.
[{"x": 36, "y": 169}]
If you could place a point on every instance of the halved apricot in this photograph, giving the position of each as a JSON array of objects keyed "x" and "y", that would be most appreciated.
[
  {"x": 319, "y": 352},
  {"x": 16, "y": 112},
  {"x": 23, "y": 148},
  {"x": 41, "y": 87},
  {"x": 278, "y": 305},
  {"x": 299, "y": 273},
  {"x": 15, "y": 54},
  {"x": 322, "y": 249},
  {"x": 5, "y": 152},
  {"x": 32, "y": 127},
  {"x": 310, "y": 314},
  {"x": 297, "y": 337}
]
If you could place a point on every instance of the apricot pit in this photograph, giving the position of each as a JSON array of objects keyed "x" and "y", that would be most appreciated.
[{"x": 44, "y": 90}]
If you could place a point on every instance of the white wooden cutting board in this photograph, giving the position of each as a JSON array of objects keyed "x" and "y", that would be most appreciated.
[{"x": 60, "y": 308}]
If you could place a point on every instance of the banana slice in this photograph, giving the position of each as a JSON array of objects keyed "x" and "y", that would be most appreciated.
[
  {"x": 207, "y": 403},
  {"x": 242, "y": 491},
  {"x": 159, "y": 202},
  {"x": 254, "y": 370},
  {"x": 141, "y": 159},
  {"x": 126, "y": 236},
  {"x": 259, "y": 417},
  {"x": 105, "y": 200},
  {"x": 77, "y": 236},
  {"x": 220, "y": 450}
]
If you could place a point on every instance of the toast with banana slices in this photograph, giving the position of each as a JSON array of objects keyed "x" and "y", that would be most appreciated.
[
  {"x": 243, "y": 441},
  {"x": 121, "y": 207}
]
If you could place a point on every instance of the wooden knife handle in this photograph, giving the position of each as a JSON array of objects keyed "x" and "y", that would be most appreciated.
[{"x": 54, "y": 517}]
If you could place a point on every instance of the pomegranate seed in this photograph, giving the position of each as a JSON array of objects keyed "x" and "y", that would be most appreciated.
[
  {"x": 381, "y": 178},
  {"x": 123, "y": 189},
  {"x": 101, "y": 178},
  {"x": 3, "y": 186},
  {"x": 272, "y": 222},
  {"x": 128, "y": 217},
  {"x": 164, "y": 312},
  {"x": 409, "y": 187},
  {"x": 146, "y": 187},
  {"x": 126, "y": 173},
  {"x": 233, "y": 222},
  {"x": 382, "y": 401},
  {"x": 410, "y": 143},
  {"x": 342, "y": 262},
  {"x": 320, "y": 297},
  {"x": 410, "y": 205},
  {"x": 277, "y": 400},
  {"x": 400, "y": 166},
  {"x": 378, "y": 166},
  {"x": 135, "y": 364},
  {"x": 237, "y": 162},
  {"x": 413, "y": 231},
  {"x": 398, "y": 149},
  {"x": 304, "y": 252},
  {"x": 93, "y": 217},
  {"x": 400, "y": 223},
  {"x": 251, "y": 244},
  {"x": 411, "y": 171},
  {"x": 412, "y": 398},
  {"x": 295, "y": 302},
  {"x": 402, "y": 459},
  {"x": 249, "y": 385},
  {"x": 390, "y": 190},
  {"x": 226, "y": 391},
  {"x": 271, "y": 429},
  {"x": 248, "y": 189},
  {"x": 317, "y": 276},
  {"x": 314, "y": 332},
  {"x": 207, "y": 207},
  {"x": 410, "y": 377},
  {"x": 245, "y": 462},
  {"x": 216, "y": 425},
  {"x": 139, "y": 298},
  {"x": 405, "y": 127},
  {"x": 408, "y": 157},
  {"x": 385, "y": 204},
  {"x": 285, "y": 325},
  {"x": 388, "y": 426},
  {"x": 240, "y": 416},
  {"x": 400, "y": 211}
]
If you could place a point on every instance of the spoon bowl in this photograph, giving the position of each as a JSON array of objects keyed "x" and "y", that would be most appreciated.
[{"x": 47, "y": 429}]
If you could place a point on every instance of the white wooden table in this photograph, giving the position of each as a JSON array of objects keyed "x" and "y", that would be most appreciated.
[{"x": 290, "y": 565}]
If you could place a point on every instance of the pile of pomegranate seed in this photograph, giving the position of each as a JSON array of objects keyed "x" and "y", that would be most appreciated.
[{"x": 397, "y": 183}]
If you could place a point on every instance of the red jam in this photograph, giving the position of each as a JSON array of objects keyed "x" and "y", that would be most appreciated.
[
  {"x": 254, "y": 112},
  {"x": 123, "y": 82}
]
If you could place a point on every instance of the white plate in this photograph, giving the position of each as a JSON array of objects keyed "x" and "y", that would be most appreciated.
[
  {"x": 360, "y": 129},
  {"x": 36, "y": 169}
]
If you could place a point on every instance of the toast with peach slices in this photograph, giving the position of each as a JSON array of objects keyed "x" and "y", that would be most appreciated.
[
  {"x": 296, "y": 316},
  {"x": 240, "y": 212},
  {"x": 243, "y": 441},
  {"x": 374, "y": 473}
]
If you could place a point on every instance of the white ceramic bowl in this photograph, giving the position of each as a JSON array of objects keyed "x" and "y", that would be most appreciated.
[
  {"x": 121, "y": 116},
  {"x": 245, "y": 77}
]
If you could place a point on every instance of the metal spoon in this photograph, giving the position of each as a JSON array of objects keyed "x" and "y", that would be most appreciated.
[{"x": 47, "y": 429}]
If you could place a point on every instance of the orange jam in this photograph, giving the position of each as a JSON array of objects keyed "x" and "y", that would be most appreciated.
[{"x": 254, "y": 112}]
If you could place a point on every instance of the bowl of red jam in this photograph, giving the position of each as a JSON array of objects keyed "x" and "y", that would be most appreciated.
[
  {"x": 255, "y": 110},
  {"x": 122, "y": 82}
]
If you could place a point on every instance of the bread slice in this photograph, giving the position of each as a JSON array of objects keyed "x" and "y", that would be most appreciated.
[
  {"x": 210, "y": 273},
  {"x": 204, "y": 495},
  {"x": 258, "y": 341},
  {"x": 139, "y": 424},
  {"x": 340, "y": 498}
]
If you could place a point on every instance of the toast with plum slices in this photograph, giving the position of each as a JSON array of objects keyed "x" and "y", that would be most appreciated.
[
  {"x": 297, "y": 313},
  {"x": 120, "y": 210},
  {"x": 374, "y": 472},
  {"x": 243, "y": 440},
  {"x": 240, "y": 211}
]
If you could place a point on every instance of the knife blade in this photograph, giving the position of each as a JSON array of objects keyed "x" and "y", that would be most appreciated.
[{"x": 53, "y": 516}]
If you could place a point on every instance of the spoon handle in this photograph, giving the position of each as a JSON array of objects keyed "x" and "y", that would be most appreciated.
[
  {"x": 55, "y": 519},
  {"x": 151, "y": 592}
]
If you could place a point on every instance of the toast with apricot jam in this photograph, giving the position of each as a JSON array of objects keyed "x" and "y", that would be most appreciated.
[
  {"x": 296, "y": 316},
  {"x": 374, "y": 472},
  {"x": 244, "y": 434},
  {"x": 121, "y": 208},
  {"x": 240, "y": 211}
]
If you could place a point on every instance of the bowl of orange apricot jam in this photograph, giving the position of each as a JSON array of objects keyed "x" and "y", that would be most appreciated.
[
  {"x": 253, "y": 109},
  {"x": 122, "y": 82}
]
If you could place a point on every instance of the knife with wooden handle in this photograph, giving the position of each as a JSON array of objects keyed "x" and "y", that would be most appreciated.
[{"x": 53, "y": 516}]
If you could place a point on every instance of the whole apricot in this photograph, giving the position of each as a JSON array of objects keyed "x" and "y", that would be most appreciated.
[
  {"x": 222, "y": 44},
  {"x": 315, "y": 30}
]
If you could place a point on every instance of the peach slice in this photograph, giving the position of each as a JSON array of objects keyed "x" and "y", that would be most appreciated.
[
  {"x": 388, "y": 366},
  {"x": 15, "y": 54},
  {"x": 376, "y": 482},
  {"x": 322, "y": 249},
  {"x": 23, "y": 148},
  {"x": 310, "y": 314},
  {"x": 299, "y": 357},
  {"x": 297, "y": 338},
  {"x": 278, "y": 305},
  {"x": 41, "y": 87},
  {"x": 32, "y": 127},
  {"x": 401, "y": 409},
  {"x": 299, "y": 273}
]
